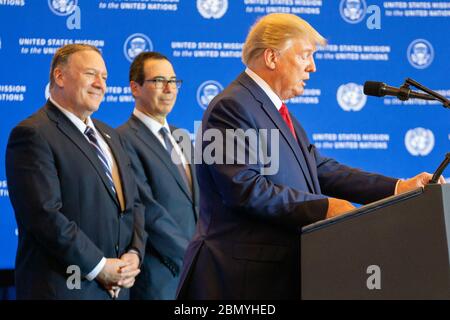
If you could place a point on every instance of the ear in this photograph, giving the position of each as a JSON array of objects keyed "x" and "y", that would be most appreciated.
[
  {"x": 58, "y": 75},
  {"x": 270, "y": 58},
  {"x": 135, "y": 88}
]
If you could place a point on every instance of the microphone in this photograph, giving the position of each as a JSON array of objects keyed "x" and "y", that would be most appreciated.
[{"x": 380, "y": 89}]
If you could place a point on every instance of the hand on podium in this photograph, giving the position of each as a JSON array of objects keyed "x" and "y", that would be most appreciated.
[
  {"x": 418, "y": 181},
  {"x": 336, "y": 207}
]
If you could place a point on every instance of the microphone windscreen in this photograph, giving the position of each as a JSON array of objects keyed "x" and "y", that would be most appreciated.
[{"x": 373, "y": 88}]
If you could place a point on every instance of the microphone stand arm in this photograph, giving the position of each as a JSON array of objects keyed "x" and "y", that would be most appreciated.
[
  {"x": 440, "y": 169},
  {"x": 445, "y": 102}
]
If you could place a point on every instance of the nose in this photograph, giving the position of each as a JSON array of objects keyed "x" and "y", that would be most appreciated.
[
  {"x": 311, "y": 65},
  {"x": 168, "y": 88},
  {"x": 99, "y": 82}
]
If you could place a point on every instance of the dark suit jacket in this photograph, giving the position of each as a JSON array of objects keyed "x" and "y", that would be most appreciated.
[
  {"x": 247, "y": 244},
  {"x": 66, "y": 213},
  {"x": 170, "y": 211}
]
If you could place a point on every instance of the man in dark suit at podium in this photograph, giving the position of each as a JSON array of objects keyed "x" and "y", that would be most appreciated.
[
  {"x": 247, "y": 241},
  {"x": 81, "y": 228},
  {"x": 168, "y": 189}
]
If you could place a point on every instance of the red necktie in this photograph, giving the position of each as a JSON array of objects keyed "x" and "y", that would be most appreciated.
[{"x": 287, "y": 118}]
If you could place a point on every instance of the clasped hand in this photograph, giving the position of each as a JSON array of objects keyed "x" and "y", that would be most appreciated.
[{"x": 119, "y": 273}]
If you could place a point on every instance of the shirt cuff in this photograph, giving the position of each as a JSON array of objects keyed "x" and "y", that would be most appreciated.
[
  {"x": 94, "y": 273},
  {"x": 396, "y": 187}
]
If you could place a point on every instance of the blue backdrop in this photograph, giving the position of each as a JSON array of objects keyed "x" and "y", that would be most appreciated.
[{"x": 368, "y": 40}]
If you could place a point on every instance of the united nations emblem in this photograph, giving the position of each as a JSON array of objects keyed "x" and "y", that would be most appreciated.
[
  {"x": 212, "y": 8},
  {"x": 350, "y": 97},
  {"x": 419, "y": 141}
]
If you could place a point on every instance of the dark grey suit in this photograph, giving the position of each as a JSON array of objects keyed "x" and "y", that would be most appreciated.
[
  {"x": 66, "y": 212},
  {"x": 170, "y": 215}
]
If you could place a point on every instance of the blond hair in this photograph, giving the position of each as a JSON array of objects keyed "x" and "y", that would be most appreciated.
[
  {"x": 276, "y": 31},
  {"x": 62, "y": 55}
]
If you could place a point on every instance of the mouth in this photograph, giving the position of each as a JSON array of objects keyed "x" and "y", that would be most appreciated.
[
  {"x": 96, "y": 94},
  {"x": 167, "y": 101}
]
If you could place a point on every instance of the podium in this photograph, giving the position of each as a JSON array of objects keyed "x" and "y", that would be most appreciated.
[{"x": 395, "y": 248}]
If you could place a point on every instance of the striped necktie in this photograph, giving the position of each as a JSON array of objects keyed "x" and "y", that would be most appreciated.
[{"x": 90, "y": 133}]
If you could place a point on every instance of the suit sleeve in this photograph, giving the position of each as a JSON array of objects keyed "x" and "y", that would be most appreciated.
[
  {"x": 163, "y": 234},
  {"x": 36, "y": 197},
  {"x": 139, "y": 239},
  {"x": 340, "y": 181},
  {"x": 243, "y": 187}
]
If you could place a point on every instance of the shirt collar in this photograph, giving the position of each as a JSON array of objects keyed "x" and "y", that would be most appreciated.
[
  {"x": 150, "y": 123},
  {"x": 265, "y": 87},
  {"x": 73, "y": 118}
]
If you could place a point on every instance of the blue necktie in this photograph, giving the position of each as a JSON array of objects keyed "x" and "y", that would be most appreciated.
[
  {"x": 169, "y": 147},
  {"x": 90, "y": 133}
]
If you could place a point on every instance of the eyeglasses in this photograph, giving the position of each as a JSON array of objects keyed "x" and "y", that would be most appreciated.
[{"x": 160, "y": 83}]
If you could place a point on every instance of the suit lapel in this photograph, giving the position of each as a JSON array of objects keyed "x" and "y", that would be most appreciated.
[
  {"x": 71, "y": 131},
  {"x": 195, "y": 187},
  {"x": 148, "y": 138},
  {"x": 272, "y": 112},
  {"x": 310, "y": 161},
  {"x": 195, "y": 195}
]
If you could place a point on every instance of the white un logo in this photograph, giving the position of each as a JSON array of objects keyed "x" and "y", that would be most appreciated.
[
  {"x": 420, "y": 53},
  {"x": 135, "y": 44},
  {"x": 353, "y": 11},
  {"x": 419, "y": 141},
  {"x": 350, "y": 97},
  {"x": 62, "y": 7},
  {"x": 212, "y": 8},
  {"x": 207, "y": 91}
]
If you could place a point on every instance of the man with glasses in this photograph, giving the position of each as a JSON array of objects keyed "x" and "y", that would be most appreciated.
[{"x": 166, "y": 179}]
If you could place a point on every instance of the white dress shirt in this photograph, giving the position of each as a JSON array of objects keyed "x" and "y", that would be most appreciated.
[
  {"x": 265, "y": 87},
  {"x": 154, "y": 126}
]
